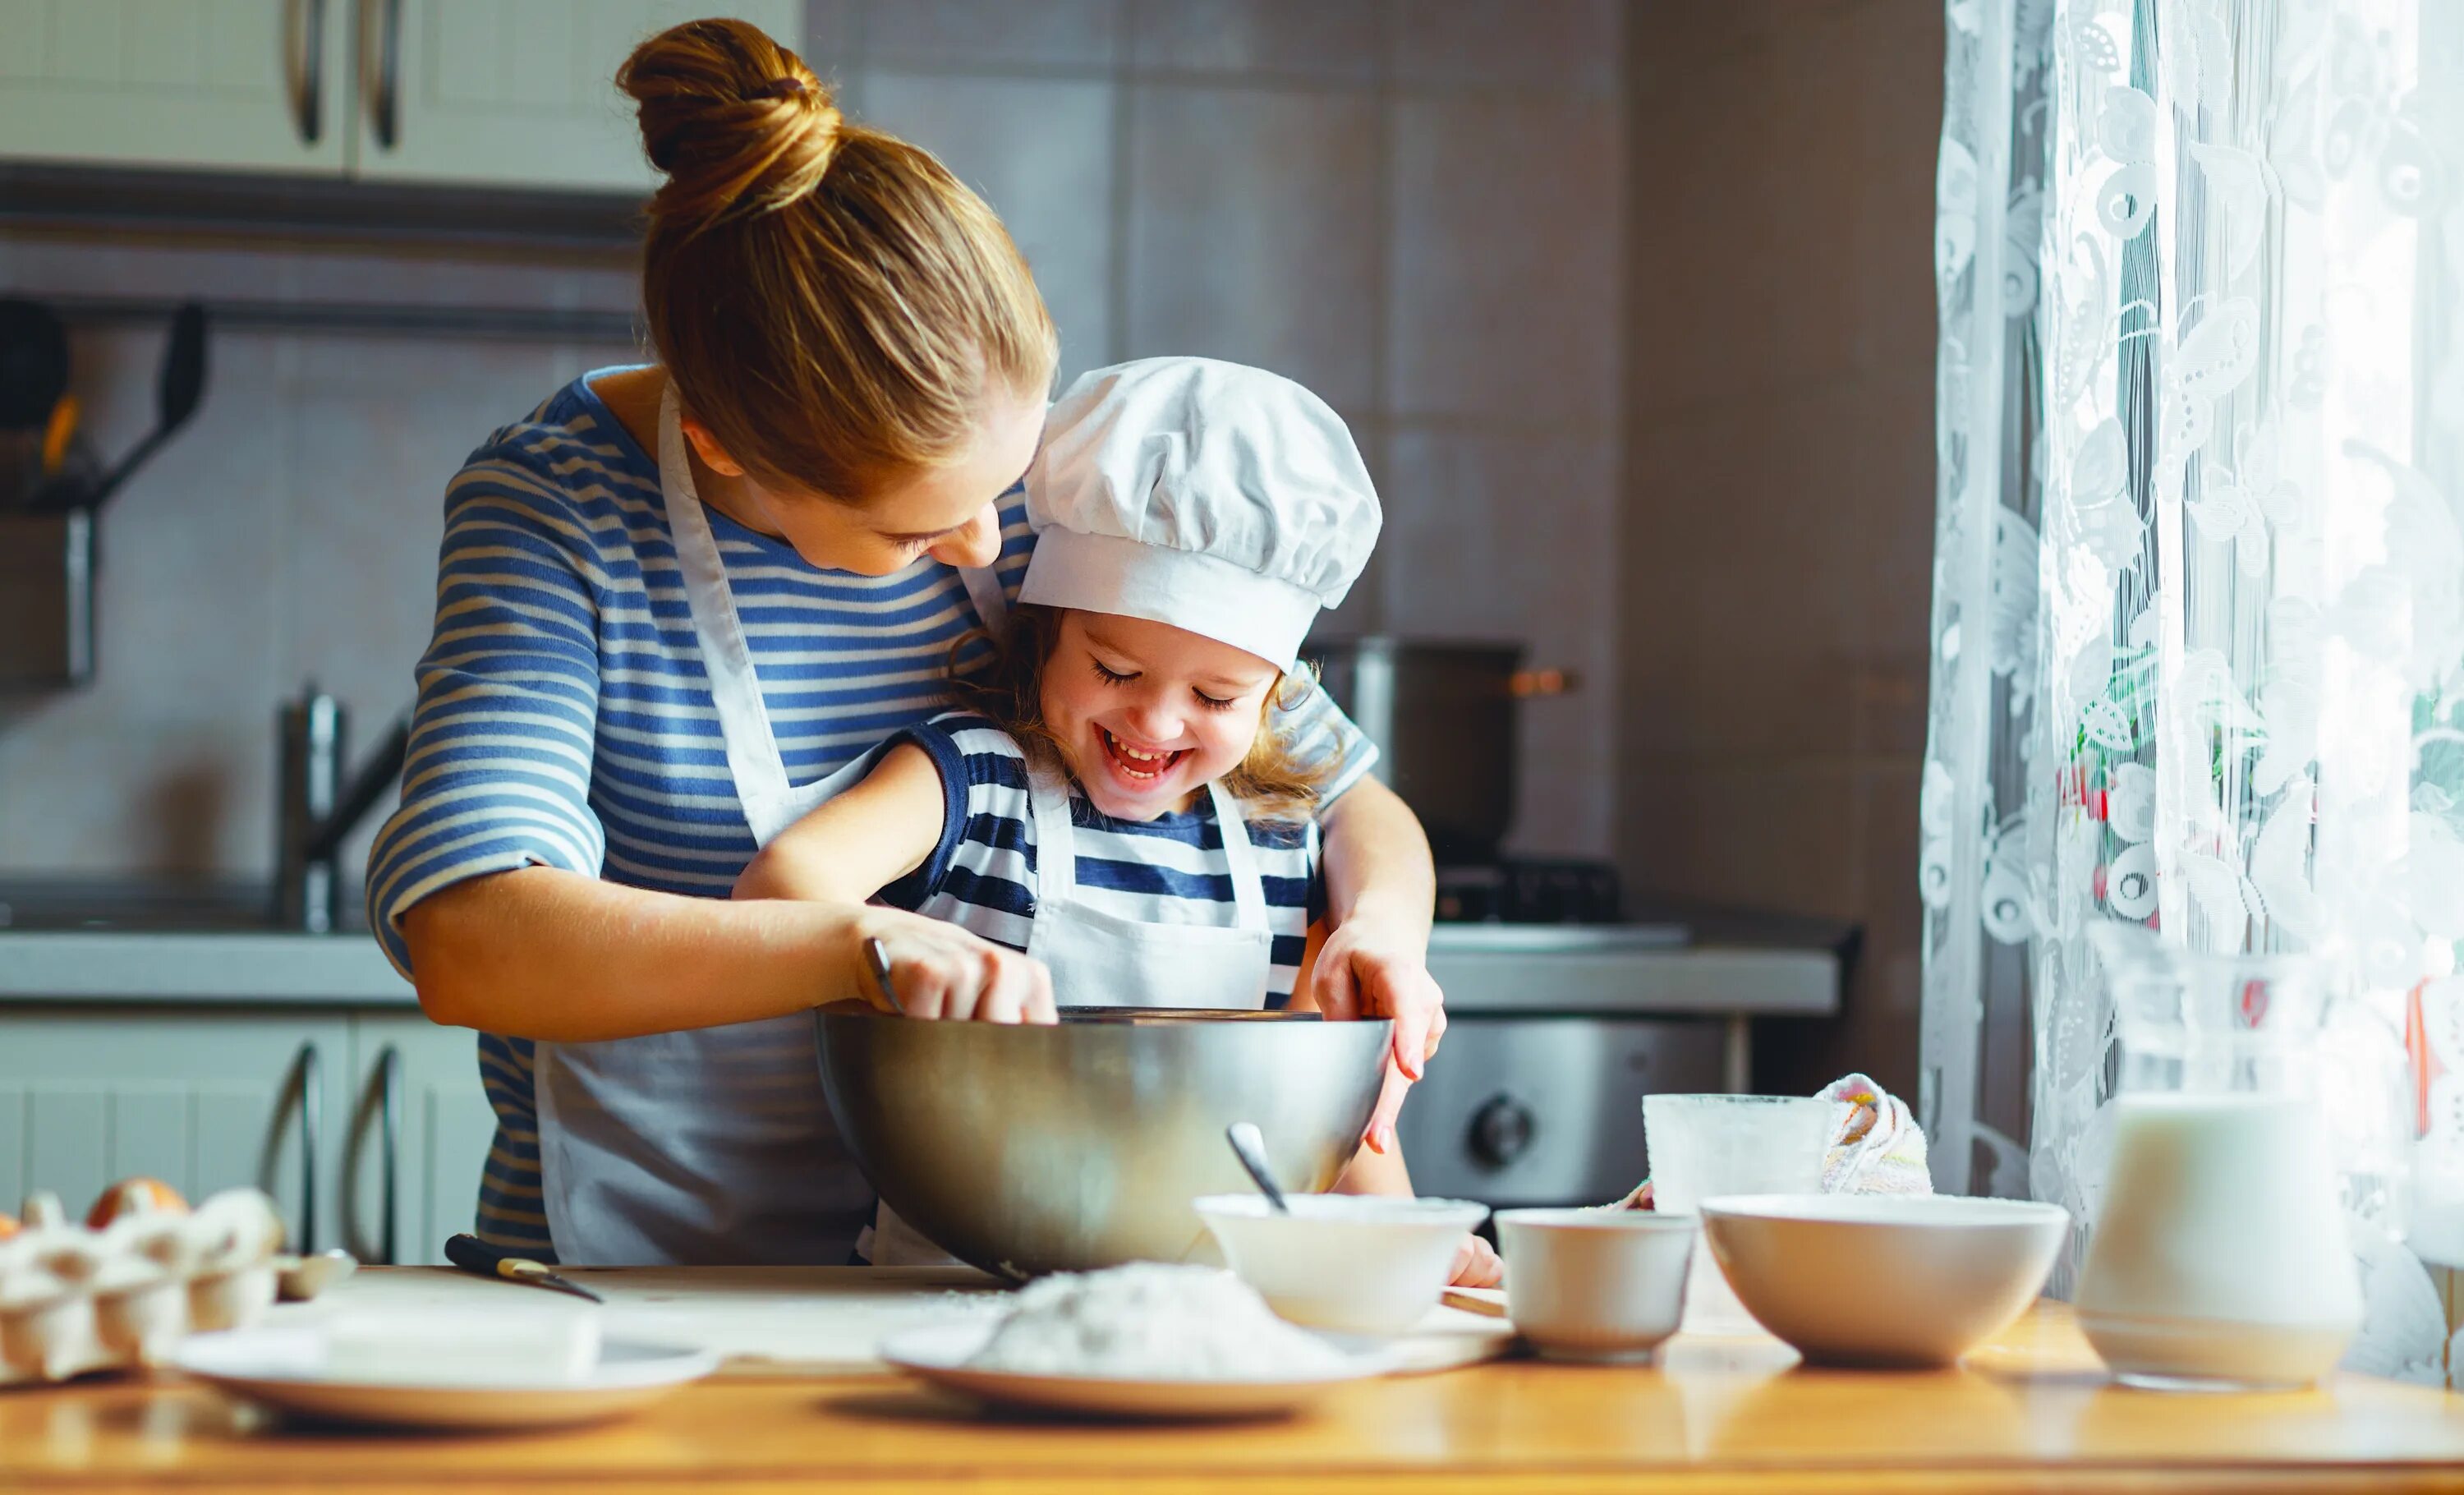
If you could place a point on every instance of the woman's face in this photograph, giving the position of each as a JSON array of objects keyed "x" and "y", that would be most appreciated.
[
  {"x": 946, "y": 511},
  {"x": 1148, "y": 714}
]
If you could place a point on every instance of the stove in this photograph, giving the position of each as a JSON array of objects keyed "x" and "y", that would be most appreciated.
[{"x": 1562, "y": 1016}]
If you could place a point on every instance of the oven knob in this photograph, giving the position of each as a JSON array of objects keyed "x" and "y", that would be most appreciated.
[{"x": 1501, "y": 1130}]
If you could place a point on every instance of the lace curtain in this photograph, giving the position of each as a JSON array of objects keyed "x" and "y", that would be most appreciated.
[{"x": 2199, "y": 574}]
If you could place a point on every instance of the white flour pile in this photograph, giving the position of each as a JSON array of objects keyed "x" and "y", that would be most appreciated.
[{"x": 1153, "y": 1322}]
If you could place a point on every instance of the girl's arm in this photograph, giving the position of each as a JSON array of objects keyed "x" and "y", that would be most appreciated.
[
  {"x": 1373, "y": 1170},
  {"x": 861, "y": 841},
  {"x": 1381, "y": 893},
  {"x": 1370, "y": 1171},
  {"x": 546, "y": 953}
]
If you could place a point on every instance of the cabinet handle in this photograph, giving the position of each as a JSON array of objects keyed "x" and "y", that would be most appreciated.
[
  {"x": 311, "y": 1131},
  {"x": 304, "y": 38},
  {"x": 384, "y": 1098},
  {"x": 381, "y": 26},
  {"x": 304, "y": 1085},
  {"x": 389, "y": 1085}
]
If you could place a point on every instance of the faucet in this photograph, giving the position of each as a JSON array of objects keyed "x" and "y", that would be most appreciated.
[{"x": 315, "y": 810}]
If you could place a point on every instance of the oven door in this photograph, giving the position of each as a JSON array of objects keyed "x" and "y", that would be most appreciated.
[{"x": 1528, "y": 1109}]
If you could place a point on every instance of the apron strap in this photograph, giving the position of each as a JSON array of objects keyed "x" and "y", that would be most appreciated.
[
  {"x": 1240, "y": 858},
  {"x": 1056, "y": 851},
  {"x": 984, "y": 590},
  {"x": 753, "y": 757}
]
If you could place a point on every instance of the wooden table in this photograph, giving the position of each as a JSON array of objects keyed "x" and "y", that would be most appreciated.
[{"x": 2032, "y": 1411}]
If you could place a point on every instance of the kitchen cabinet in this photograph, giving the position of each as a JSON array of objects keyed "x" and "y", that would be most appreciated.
[
  {"x": 489, "y": 92},
  {"x": 409, "y": 1184},
  {"x": 516, "y": 92},
  {"x": 203, "y": 1100},
  {"x": 370, "y": 1124},
  {"x": 256, "y": 85}
]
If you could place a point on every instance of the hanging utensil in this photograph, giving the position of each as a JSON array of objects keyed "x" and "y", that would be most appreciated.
[
  {"x": 180, "y": 388},
  {"x": 34, "y": 364}
]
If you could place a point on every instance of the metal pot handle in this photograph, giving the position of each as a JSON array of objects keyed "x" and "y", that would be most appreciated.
[{"x": 1529, "y": 683}]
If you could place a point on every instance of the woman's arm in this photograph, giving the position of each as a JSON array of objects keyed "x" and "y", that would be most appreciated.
[
  {"x": 1381, "y": 894},
  {"x": 544, "y": 954},
  {"x": 547, "y": 954}
]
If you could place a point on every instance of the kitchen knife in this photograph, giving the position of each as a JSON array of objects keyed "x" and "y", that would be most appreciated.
[{"x": 476, "y": 1256}]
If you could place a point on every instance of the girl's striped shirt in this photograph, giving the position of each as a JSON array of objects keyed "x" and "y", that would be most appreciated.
[
  {"x": 1171, "y": 870},
  {"x": 565, "y": 716}
]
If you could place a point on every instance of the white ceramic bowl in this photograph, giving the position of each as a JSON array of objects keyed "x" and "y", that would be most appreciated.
[
  {"x": 1355, "y": 1264},
  {"x": 1883, "y": 1280},
  {"x": 1595, "y": 1285}
]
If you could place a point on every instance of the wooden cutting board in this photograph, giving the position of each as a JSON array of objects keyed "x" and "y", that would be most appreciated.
[{"x": 774, "y": 1321}]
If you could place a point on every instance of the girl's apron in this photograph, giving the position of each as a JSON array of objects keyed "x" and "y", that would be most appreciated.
[
  {"x": 712, "y": 1145},
  {"x": 1101, "y": 959}
]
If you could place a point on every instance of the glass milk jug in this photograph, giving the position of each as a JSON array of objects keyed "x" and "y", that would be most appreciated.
[{"x": 2220, "y": 1258}]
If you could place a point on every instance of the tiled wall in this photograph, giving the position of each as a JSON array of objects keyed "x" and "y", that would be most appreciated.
[
  {"x": 1778, "y": 523},
  {"x": 1412, "y": 205}
]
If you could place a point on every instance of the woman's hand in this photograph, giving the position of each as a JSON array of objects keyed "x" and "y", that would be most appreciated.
[
  {"x": 1476, "y": 1265},
  {"x": 942, "y": 971},
  {"x": 1370, "y": 969}
]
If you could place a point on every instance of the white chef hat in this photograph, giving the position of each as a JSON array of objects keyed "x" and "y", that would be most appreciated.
[{"x": 1222, "y": 500}]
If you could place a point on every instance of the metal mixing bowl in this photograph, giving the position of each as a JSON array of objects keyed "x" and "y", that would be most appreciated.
[{"x": 1047, "y": 1149}]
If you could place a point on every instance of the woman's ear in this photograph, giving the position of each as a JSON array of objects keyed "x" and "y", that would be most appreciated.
[{"x": 706, "y": 447}]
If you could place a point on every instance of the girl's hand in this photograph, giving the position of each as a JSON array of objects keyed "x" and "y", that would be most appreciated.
[
  {"x": 1365, "y": 971},
  {"x": 1476, "y": 1265},
  {"x": 942, "y": 971}
]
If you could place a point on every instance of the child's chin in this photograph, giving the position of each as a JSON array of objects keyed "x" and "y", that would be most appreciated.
[{"x": 1113, "y": 801}]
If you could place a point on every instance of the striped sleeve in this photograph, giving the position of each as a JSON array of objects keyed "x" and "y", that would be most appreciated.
[{"x": 499, "y": 771}]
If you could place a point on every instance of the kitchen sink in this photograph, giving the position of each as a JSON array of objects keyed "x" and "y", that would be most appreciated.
[{"x": 146, "y": 906}]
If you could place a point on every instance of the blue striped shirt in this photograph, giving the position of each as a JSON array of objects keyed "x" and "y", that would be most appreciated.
[
  {"x": 565, "y": 716},
  {"x": 1171, "y": 870}
]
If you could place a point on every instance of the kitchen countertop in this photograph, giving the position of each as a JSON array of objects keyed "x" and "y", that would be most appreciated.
[
  {"x": 1591, "y": 970},
  {"x": 2032, "y": 1410}
]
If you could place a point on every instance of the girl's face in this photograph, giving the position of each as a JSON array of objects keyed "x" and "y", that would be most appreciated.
[
  {"x": 945, "y": 512},
  {"x": 1148, "y": 714}
]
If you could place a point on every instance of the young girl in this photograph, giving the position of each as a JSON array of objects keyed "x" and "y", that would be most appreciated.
[{"x": 1116, "y": 799}]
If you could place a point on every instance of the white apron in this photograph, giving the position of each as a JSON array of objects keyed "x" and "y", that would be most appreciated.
[
  {"x": 712, "y": 1145},
  {"x": 1101, "y": 959}
]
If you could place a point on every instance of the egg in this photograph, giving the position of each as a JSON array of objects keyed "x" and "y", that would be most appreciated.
[
  {"x": 9, "y": 1227},
  {"x": 135, "y": 1197}
]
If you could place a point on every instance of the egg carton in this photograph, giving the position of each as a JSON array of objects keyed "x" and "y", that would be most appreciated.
[{"x": 76, "y": 1299}]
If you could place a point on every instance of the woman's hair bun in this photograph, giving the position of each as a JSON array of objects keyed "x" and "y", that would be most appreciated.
[{"x": 738, "y": 122}]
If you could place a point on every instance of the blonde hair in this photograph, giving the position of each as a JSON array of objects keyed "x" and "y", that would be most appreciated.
[
  {"x": 830, "y": 302},
  {"x": 1272, "y": 780}
]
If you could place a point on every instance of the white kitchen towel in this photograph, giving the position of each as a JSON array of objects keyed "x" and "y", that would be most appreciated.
[{"x": 1876, "y": 1145}]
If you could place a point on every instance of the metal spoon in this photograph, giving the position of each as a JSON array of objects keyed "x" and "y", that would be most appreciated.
[
  {"x": 1251, "y": 1149},
  {"x": 876, "y": 957}
]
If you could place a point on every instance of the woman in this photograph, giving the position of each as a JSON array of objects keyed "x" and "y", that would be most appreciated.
[{"x": 676, "y": 605}]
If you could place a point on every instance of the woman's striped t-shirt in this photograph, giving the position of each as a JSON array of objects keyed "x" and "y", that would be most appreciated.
[
  {"x": 1171, "y": 870},
  {"x": 564, "y": 715}
]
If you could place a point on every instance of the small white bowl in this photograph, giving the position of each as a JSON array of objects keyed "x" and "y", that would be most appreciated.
[
  {"x": 1593, "y": 1285},
  {"x": 1881, "y": 1279},
  {"x": 1357, "y": 1263}
]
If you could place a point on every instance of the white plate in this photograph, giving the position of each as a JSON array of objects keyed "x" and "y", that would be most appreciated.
[
  {"x": 939, "y": 1355},
  {"x": 280, "y": 1368}
]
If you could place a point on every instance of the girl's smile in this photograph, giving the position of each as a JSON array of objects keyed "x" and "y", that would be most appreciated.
[{"x": 1148, "y": 714}]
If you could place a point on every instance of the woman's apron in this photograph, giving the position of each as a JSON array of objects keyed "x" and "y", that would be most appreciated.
[
  {"x": 712, "y": 1145},
  {"x": 1100, "y": 959}
]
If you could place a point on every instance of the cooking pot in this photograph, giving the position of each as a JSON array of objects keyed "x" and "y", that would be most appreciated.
[{"x": 1442, "y": 716}]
